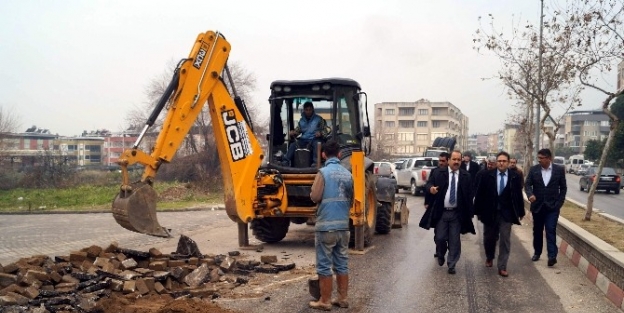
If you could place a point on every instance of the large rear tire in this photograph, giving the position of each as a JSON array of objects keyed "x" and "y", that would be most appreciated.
[
  {"x": 370, "y": 213},
  {"x": 270, "y": 229},
  {"x": 384, "y": 218}
]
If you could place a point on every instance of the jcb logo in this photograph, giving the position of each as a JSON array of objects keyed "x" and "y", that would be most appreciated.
[
  {"x": 199, "y": 59},
  {"x": 233, "y": 134}
]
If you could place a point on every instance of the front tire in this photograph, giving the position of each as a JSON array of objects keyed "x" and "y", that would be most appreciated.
[
  {"x": 270, "y": 229},
  {"x": 384, "y": 218},
  {"x": 413, "y": 188},
  {"x": 370, "y": 213}
]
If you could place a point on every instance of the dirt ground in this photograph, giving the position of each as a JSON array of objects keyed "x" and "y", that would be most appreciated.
[{"x": 609, "y": 231}]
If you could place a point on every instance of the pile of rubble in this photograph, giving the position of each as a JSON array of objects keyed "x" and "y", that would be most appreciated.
[{"x": 76, "y": 283}]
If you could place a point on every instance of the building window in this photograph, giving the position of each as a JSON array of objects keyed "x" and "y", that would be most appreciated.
[
  {"x": 423, "y": 112},
  {"x": 406, "y": 136},
  {"x": 406, "y": 124},
  {"x": 405, "y": 150},
  {"x": 389, "y": 124},
  {"x": 406, "y": 111},
  {"x": 436, "y": 111},
  {"x": 605, "y": 123},
  {"x": 72, "y": 147},
  {"x": 422, "y": 137},
  {"x": 388, "y": 137},
  {"x": 435, "y": 124},
  {"x": 421, "y": 124},
  {"x": 389, "y": 111},
  {"x": 93, "y": 148}
]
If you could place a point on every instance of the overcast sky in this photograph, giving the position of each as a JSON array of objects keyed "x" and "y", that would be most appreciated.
[{"x": 76, "y": 65}]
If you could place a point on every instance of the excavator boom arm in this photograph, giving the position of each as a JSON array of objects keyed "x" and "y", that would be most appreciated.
[{"x": 196, "y": 82}]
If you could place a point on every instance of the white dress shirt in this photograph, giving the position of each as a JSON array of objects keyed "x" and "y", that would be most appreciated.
[{"x": 546, "y": 174}]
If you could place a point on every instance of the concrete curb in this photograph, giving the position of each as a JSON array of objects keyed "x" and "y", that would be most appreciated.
[
  {"x": 590, "y": 265},
  {"x": 207, "y": 208},
  {"x": 611, "y": 290}
]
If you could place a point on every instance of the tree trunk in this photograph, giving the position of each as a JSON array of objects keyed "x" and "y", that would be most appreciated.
[{"x": 614, "y": 124}]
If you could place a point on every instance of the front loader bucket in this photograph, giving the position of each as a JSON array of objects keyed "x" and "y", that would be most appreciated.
[{"x": 134, "y": 209}]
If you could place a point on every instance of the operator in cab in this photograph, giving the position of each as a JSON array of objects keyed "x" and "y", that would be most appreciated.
[{"x": 312, "y": 128}]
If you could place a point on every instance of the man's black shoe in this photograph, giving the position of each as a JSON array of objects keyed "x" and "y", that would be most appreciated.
[
  {"x": 552, "y": 261},
  {"x": 535, "y": 258},
  {"x": 441, "y": 261},
  {"x": 451, "y": 271},
  {"x": 435, "y": 255}
]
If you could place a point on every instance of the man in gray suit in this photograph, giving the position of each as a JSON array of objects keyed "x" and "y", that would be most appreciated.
[{"x": 546, "y": 189}]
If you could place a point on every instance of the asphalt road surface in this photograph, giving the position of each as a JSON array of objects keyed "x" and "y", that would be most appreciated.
[
  {"x": 605, "y": 202},
  {"x": 397, "y": 274}
]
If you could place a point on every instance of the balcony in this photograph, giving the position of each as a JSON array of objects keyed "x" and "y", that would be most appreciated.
[{"x": 576, "y": 129}]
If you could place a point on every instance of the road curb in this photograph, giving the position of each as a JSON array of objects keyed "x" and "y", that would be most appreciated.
[
  {"x": 614, "y": 293},
  {"x": 207, "y": 208},
  {"x": 596, "y": 256}
]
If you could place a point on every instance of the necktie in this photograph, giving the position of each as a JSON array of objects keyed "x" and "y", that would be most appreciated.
[
  {"x": 501, "y": 185},
  {"x": 452, "y": 195}
]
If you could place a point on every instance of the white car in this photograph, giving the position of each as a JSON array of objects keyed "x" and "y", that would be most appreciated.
[{"x": 385, "y": 169}]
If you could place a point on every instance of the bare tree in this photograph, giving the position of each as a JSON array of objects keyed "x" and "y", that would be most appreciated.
[
  {"x": 598, "y": 36},
  {"x": 199, "y": 145},
  {"x": 536, "y": 72},
  {"x": 9, "y": 123}
]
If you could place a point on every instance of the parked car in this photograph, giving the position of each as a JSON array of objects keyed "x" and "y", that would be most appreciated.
[
  {"x": 609, "y": 180},
  {"x": 384, "y": 169},
  {"x": 413, "y": 173},
  {"x": 582, "y": 169}
]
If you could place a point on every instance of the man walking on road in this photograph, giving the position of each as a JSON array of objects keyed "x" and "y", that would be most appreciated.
[
  {"x": 546, "y": 189},
  {"x": 499, "y": 204},
  {"x": 451, "y": 210},
  {"x": 333, "y": 189},
  {"x": 442, "y": 163}
]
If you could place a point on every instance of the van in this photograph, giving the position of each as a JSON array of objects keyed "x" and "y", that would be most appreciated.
[
  {"x": 559, "y": 160},
  {"x": 575, "y": 162}
]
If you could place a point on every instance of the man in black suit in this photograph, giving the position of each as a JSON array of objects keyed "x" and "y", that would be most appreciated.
[
  {"x": 451, "y": 211},
  {"x": 442, "y": 163},
  {"x": 499, "y": 204},
  {"x": 546, "y": 189},
  {"x": 470, "y": 166}
]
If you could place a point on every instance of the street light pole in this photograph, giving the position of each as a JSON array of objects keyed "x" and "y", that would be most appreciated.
[{"x": 539, "y": 80}]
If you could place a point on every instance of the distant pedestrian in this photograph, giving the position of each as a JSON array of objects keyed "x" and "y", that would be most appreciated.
[
  {"x": 546, "y": 188},
  {"x": 451, "y": 210},
  {"x": 513, "y": 165},
  {"x": 470, "y": 166},
  {"x": 333, "y": 190},
  {"x": 499, "y": 204}
]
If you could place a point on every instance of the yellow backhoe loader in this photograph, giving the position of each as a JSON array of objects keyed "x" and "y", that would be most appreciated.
[{"x": 262, "y": 190}]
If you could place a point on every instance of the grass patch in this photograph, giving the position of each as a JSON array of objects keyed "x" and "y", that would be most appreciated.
[
  {"x": 609, "y": 231},
  {"x": 87, "y": 198}
]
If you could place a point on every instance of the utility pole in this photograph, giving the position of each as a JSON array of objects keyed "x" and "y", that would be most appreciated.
[{"x": 539, "y": 90}]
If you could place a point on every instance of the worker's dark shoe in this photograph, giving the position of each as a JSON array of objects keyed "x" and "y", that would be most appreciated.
[
  {"x": 552, "y": 261},
  {"x": 535, "y": 258},
  {"x": 452, "y": 271},
  {"x": 440, "y": 261},
  {"x": 488, "y": 263}
]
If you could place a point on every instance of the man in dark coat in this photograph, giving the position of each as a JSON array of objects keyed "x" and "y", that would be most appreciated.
[
  {"x": 451, "y": 211},
  {"x": 470, "y": 166},
  {"x": 499, "y": 204},
  {"x": 546, "y": 188},
  {"x": 442, "y": 163}
]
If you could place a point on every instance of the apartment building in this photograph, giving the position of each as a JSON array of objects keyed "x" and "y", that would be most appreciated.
[
  {"x": 407, "y": 128},
  {"x": 472, "y": 143},
  {"x": 582, "y": 126}
]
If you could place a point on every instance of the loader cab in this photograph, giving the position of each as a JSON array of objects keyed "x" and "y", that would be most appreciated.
[{"x": 338, "y": 101}]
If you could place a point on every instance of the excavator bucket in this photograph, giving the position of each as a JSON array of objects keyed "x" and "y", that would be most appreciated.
[{"x": 134, "y": 209}]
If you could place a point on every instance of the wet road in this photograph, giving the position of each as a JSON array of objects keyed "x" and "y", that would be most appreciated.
[
  {"x": 397, "y": 274},
  {"x": 605, "y": 202}
]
